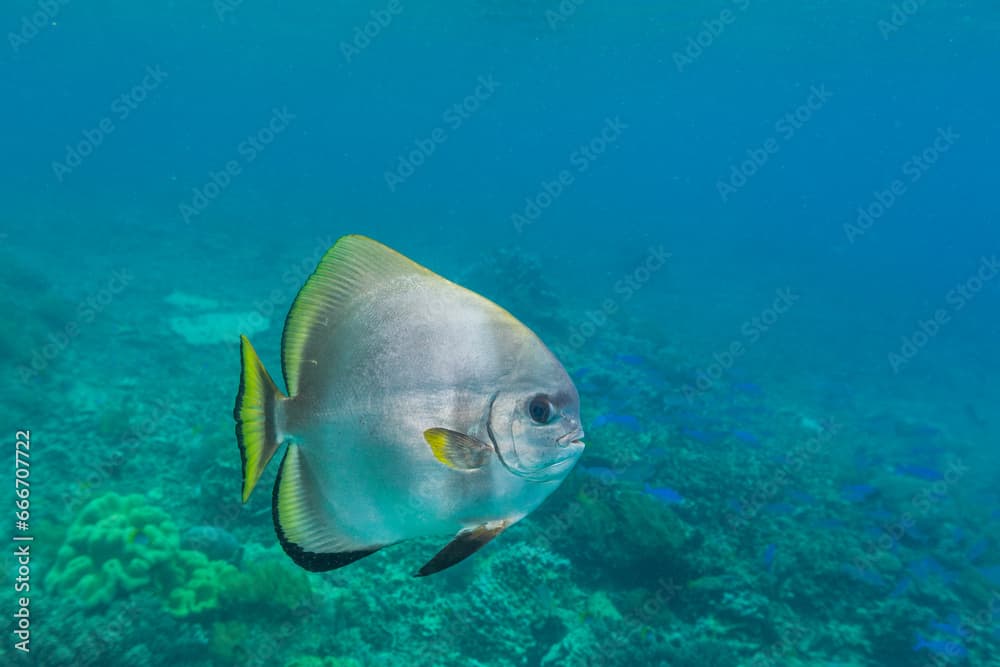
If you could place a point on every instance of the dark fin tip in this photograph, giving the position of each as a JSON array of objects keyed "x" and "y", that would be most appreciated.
[
  {"x": 310, "y": 560},
  {"x": 464, "y": 545}
]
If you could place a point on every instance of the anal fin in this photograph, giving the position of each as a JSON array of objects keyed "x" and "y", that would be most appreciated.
[
  {"x": 306, "y": 534},
  {"x": 466, "y": 543}
]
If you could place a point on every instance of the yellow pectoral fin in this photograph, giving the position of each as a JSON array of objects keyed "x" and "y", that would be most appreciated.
[{"x": 457, "y": 450}]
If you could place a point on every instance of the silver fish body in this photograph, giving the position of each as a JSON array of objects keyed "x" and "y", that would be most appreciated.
[{"x": 416, "y": 408}]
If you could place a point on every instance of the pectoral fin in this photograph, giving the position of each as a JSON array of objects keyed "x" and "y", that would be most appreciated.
[
  {"x": 457, "y": 450},
  {"x": 466, "y": 543}
]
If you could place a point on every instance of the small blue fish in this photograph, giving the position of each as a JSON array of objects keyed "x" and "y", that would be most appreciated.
[
  {"x": 901, "y": 587},
  {"x": 632, "y": 359},
  {"x": 916, "y": 431},
  {"x": 628, "y": 421},
  {"x": 940, "y": 647},
  {"x": 952, "y": 626},
  {"x": 977, "y": 550},
  {"x": 751, "y": 388},
  {"x": 779, "y": 509},
  {"x": 768, "y": 557},
  {"x": 664, "y": 494},
  {"x": 857, "y": 493},
  {"x": 705, "y": 437},
  {"x": 926, "y": 566},
  {"x": 920, "y": 472},
  {"x": 992, "y": 573},
  {"x": 801, "y": 497},
  {"x": 747, "y": 437}
]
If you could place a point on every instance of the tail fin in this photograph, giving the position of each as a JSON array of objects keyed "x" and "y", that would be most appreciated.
[{"x": 257, "y": 415}]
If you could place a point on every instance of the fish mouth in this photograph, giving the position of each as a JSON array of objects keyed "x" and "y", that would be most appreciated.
[
  {"x": 573, "y": 438},
  {"x": 570, "y": 446},
  {"x": 569, "y": 453}
]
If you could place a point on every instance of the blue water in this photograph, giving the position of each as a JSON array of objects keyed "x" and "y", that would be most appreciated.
[{"x": 761, "y": 237}]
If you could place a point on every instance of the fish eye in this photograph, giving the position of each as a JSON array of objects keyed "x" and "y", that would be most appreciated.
[{"x": 540, "y": 409}]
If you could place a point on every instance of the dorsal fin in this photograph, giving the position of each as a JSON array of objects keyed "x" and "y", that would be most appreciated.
[{"x": 353, "y": 266}]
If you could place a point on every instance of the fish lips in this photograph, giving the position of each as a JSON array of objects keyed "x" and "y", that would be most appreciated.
[
  {"x": 572, "y": 438},
  {"x": 573, "y": 451},
  {"x": 570, "y": 447}
]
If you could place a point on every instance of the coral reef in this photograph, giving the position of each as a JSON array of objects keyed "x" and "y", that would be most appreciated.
[
  {"x": 723, "y": 520},
  {"x": 116, "y": 544},
  {"x": 120, "y": 544}
]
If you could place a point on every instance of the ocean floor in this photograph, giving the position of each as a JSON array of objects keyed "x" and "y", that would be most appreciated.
[{"x": 723, "y": 514}]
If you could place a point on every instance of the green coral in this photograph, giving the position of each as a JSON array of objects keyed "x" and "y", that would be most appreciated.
[
  {"x": 204, "y": 587},
  {"x": 119, "y": 544}
]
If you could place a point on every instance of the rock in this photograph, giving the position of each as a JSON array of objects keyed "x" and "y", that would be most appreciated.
[
  {"x": 191, "y": 302},
  {"x": 215, "y": 328}
]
